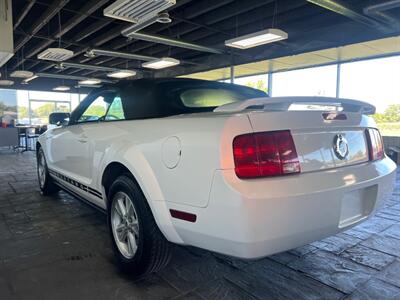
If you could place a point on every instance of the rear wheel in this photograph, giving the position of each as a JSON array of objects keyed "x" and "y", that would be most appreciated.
[
  {"x": 138, "y": 244},
  {"x": 46, "y": 183}
]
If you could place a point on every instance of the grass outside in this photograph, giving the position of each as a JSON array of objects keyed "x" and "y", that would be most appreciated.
[{"x": 389, "y": 129}]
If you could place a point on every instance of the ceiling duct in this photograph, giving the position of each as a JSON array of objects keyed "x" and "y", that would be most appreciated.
[
  {"x": 6, "y": 32},
  {"x": 55, "y": 54},
  {"x": 160, "y": 18},
  {"x": 170, "y": 42},
  {"x": 137, "y": 11},
  {"x": 85, "y": 67},
  {"x": 378, "y": 12},
  {"x": 110, "y": 53},
  {"x": 344, "y": 10},
  {"x": 71, "y": 77}
]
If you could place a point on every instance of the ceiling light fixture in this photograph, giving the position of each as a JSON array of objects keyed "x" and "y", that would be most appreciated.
[
  {"x": 25, "y": 81},
  {"x": 257, "y": 38},
  {"x": 89, "y": 81},
  {"x": 164, "y": 62},
  {"x": 55, "y": 54},
  {"x": 21, "y": 74},
  {"x": 88, "y": 86},
  {"x": 6, "y": 82},
  {"x": 137, "y": 11},
  {"x": 61, "y": 88},
  {"x": 122, "y": 74}
]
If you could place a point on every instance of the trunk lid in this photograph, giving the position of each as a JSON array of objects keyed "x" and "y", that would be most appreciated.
[
  {"x": 328, "y": 132},
  {"x": 320, "y": 143}
]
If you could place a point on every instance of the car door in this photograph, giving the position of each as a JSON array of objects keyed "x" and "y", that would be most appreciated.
[{"x": 72, "y": 151}]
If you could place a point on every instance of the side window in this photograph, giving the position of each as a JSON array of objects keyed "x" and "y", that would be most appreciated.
[
  {"x": 115, "y": 111},
  {"x": 95, "y": 111}
]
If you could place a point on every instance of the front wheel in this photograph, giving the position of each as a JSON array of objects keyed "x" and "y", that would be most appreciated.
[
  {"x": 46, "y": 183},
  {"x": 138, "y": 244}
]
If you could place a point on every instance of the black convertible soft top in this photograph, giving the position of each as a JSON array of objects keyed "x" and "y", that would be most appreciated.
[{"x": 155, "y": 98}]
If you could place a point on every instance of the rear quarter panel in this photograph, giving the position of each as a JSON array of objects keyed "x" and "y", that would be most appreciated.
[{"x": 140, "y": 147}]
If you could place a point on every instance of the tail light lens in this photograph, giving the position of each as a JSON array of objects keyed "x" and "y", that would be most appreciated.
[
  {"x": 375, "y": 144},
  {"x": 265, "y": 154}
]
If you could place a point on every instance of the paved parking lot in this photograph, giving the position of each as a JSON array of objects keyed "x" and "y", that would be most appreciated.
[{"x": 58, "y": 248}]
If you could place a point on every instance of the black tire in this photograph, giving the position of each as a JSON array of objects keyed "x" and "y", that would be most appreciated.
[
  {"x": 46, "y": 185},
  {"x": 153, "y": 250}
]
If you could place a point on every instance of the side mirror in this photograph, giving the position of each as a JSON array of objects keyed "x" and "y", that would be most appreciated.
[{"x": 59, "y": 118}]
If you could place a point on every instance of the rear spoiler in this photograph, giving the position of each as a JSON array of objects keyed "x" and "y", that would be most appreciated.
[{"x": 284, "y": 103}]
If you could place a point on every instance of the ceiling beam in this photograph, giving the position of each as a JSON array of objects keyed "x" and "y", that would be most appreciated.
[
  {"x": 195, "y": 9},
  {"x": 94, "y": 27},
  {"x": 85, "y": 11},
  {"x": 50, "y": 12},
  {"x": 23, "y": 13},
  {"x": 251, "y": 13},
  {"x": 214, "y": 15}
]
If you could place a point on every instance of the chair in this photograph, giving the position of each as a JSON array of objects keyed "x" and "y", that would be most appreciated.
[{"x": 32, "y": 134}]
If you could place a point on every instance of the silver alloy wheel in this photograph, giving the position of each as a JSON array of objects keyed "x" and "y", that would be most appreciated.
[
  {"x": 42, "y": 169},
  {"x": 124, "y": 224}
]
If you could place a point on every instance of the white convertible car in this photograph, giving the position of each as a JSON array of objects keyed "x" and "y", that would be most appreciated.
[{"x": 217, "y": 166}]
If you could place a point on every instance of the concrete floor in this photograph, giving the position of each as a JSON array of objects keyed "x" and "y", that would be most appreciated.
[{"x": 58, "y": 248}]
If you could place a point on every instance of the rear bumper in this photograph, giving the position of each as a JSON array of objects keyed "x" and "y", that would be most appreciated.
[{"x": 256, "y": 218}]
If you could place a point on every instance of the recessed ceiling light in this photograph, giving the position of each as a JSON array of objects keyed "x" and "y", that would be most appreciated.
[
  {"x": 90, "y": 81},
  {"x": 161, "y": 63},
  {"x": 257, "y": 38},
  {"x": 21, "y": 74},
  {"x": 122, "y": 74},
  {"x": 56, "y": 54},
  {"x": 61, "y": 88},
  {"x": 6, "y": 82}
]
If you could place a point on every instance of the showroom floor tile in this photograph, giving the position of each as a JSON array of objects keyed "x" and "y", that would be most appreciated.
[{"x": 58, "y": 248}]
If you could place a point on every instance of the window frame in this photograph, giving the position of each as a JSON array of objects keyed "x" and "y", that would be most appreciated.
[{"x": 84, "y": 105}]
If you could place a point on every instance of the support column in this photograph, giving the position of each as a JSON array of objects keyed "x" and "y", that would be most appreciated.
[{"x": 338, "y": 80}]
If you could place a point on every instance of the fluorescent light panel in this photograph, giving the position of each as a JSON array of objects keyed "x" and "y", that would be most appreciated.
[
  {"x": 88, "y": 86},
  {"x": 61, "y": 88},
  {"x": 122, "y": 74},
  {"x": 90, "y": 81},
  {"x": 30, "y": 78},
  {"x": 257, "y": 38},
  {"x": 161, "y": 63}
]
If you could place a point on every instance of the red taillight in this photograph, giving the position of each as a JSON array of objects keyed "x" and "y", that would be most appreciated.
[
  {"x": 375, "y": 144},
  {"x": 265, "y": 154}
]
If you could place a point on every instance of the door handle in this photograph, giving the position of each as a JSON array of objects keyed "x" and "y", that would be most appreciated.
[{"x": 82, "y": 140}]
